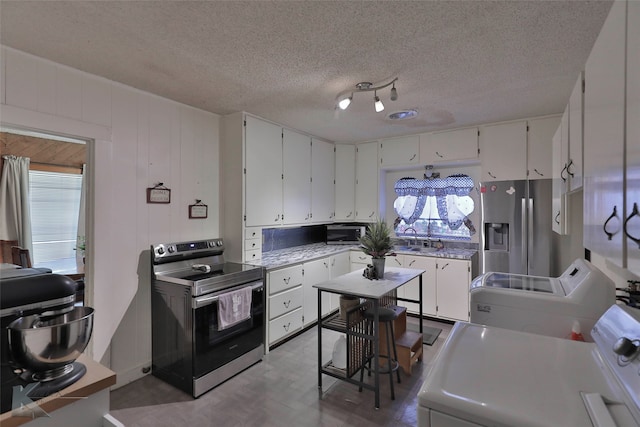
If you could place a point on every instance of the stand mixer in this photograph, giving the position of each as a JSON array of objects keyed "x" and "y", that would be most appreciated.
[{"x": 43, "y": 333}]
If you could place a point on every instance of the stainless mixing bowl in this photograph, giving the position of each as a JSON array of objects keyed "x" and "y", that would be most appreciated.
[{"x": 50, "y": 345}]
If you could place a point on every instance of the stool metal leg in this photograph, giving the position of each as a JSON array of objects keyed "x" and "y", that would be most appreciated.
[
  {"x": 395, "y": 354},
  {"x": 389, "y": 360}
]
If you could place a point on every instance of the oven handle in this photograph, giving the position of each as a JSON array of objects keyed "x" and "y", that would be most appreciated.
[{"x": 210, "y": 299}]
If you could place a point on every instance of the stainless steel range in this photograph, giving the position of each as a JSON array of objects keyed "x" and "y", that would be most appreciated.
[{"x": 207, "y": 314}]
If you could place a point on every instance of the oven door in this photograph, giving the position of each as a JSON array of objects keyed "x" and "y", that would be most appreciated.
[{"x": 212, "y": 347}]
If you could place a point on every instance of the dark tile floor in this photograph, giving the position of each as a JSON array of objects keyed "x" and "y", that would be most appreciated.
[{"x": 280, "y": 390}]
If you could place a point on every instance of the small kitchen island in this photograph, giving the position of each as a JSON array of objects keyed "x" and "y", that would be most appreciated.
[{"x": 376, "y": 293}]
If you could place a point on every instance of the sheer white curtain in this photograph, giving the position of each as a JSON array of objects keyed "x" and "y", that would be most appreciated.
[{"x": 15, "y": 214}]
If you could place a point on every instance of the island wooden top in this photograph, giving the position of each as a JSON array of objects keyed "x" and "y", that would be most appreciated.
[
  {"x": 96, "y": 378},
  {"x": 356, "y": 284}
]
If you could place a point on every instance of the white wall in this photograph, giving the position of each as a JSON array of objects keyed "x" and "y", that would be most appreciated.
[{"x": 139, "y": 140}]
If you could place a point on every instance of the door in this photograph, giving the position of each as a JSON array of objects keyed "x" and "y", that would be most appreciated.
[
  {"x": 503, "y": 229},
  {"x": 296, "y": 183}
]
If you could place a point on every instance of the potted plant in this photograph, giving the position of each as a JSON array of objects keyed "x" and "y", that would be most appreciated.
[{"x": 377, "y": 243}]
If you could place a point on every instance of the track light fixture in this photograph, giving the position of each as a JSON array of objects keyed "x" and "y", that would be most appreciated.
[{"x": 344, "y": 98}]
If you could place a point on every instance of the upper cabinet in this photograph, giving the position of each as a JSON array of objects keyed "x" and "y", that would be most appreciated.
[
  {"x": 559, "y": 206},
  {"x": 449, "y": 146},
  {"x": 322, "y": 181},
  {"x": 604, "y": 114},
  {"x": 367, "y": 182},
  {"x": 296, "y": 181},
  {"x": 576, "y": 122},
  {"x": 503, "y": 151},
  {"x": 345, "y": 183},
  {"x": 263, "y": 172},
  {"x": 539, "y": 147},
  {"x": 397, "y": 152},
  {"x": 632, "y": 226}
]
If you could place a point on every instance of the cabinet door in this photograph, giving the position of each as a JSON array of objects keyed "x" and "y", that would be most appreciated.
[
  {"x": 367, "y": 182},
  {"x": 574, "y": 166},
  {"x": 314, "y": 272},
  {"x": 558, "y": 200},
  {"x": 358, "y": 260},
  {"x": 340, "y": 265},
  {"x": 399, "y": 151},
  {"x": 453, "y": 278},
  {"x": 263, "y": 174},
  {"x": 461, "y": 144},
  {"x": 633, "y": 134},
  {"x": 296, "y": 150},
  {"x": 345, "y": 183},
  {"x": 322, "y": 181},
  {"x": 503, "y": 151},
  {"x": 540, "y": 147},
  {"x": 411, "y": 289},
  {"x": 604, "y": 138}
]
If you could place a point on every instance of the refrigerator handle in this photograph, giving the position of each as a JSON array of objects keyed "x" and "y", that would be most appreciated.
[
  {"x": 524, "y": 246},
  {"x": 531, "y": 235}
]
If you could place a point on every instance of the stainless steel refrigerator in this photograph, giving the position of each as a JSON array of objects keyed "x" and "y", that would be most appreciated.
[{"x": 516, "y": 227}]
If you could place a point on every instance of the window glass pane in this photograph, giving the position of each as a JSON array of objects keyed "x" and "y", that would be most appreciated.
[{"x": 55, "y": 202}]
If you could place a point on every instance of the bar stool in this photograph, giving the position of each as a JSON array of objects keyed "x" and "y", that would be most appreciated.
[{"x": 386, "y": 316}]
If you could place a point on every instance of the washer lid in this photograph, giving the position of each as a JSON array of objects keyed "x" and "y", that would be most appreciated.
[
  {"x": 546, "y": 285},
  {"x": 500, "y": 377}
]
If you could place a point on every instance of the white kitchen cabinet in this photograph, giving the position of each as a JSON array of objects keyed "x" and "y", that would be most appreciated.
[
  {"x": 296, "y": 183},
  {"x": 574, "y": 165},
  {"x": 367, "y": 182},
  {"x": 540, "y": 147},
  {"x": 263, "y": 172},
  {"x": 559, "y": 198},
  {"x": 604, "y": 113},
  {"x": 322, "y": 181},
  {"x": 412, "y": 291},
  {"x": 345, "y": 182},
  {"x": 633, "y": 135},
  {"x": 503, "y": 151},
  {"x": 252, "y": 244},
  {"x": 284, "y": 302},
  {"x": 449, "y": 146},
  {"x": 398, "y": 152},
  {"x": 339, "y": 264},
  {"x": 453, "y": 277},
  {"x": 358, "y": 260},
  {"x": 314, "y": 272}
]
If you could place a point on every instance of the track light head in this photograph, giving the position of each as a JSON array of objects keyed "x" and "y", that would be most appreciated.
[
  {"x": 394, "y": 93},
  {"x": 344, "y": 102},
  {"x": 379, "y": 106}
]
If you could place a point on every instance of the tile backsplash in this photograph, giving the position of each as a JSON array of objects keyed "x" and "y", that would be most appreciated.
[{"x": 282, "y": 238}]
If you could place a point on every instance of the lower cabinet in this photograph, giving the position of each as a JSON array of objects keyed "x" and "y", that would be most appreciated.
[
  {"x": 339, "y": 264},
  {"x": 314, "y": 272},
  {"x": 445, "y": 286},
  {"x": 284, "y": 302},
  {"x": 358, "y": 260}
]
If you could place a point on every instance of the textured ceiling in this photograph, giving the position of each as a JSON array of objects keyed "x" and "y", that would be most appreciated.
[{"x": 458, "y": 63}]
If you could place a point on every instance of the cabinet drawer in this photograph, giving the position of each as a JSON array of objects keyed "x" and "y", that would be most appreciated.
[
  {"x": 279, "y": 280},
  {"x": 360, "y": 258},
  {"x": 255, "y": 255},
  {"x": 252, "y": 244},
  {"x": 285, "y": 325},
  {"x": 285, "y": 302},
  {"x": 253, "y": 233}
]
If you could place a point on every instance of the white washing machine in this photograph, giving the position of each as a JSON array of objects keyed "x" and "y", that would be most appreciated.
[
  {"x": 543, "y": 305},
  {"x": 489, "y": 376}
]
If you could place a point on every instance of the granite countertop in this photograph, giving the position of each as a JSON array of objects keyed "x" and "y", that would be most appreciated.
[{"x": 298, "y": 254}]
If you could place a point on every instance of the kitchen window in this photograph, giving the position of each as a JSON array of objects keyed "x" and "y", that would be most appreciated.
[{"x": 435, "y": 207}]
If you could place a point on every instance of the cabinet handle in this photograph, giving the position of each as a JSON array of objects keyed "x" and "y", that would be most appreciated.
[
  {"x": 412, "y": 157},
  {"x": 253, "y": 245},
  {"x": 287, "y": 280},
  {"x": 442, "y": 157},
  {"x": 562, "y": 172},
  {"x": 444, "y": 266},
  {"x": 278, "y": 218},
  {"x": 568, "y": 166},
  {"x": 350, "y": 213},
  {"x": 286, "y": 304},
  {"x": 411, "y": 263},
  {"x": 372, "y": 214},
  {"x": 556, "y": 218},
  {"x": 538, "y": 172},
  {"x": 325, "y": 264},
  {"x": 286, "y": 327},
  {"x": 614, "y": 214},
  {"x": 491, "y": 175},
  {"x": 634, "y": 212},
  {"x": 396, "y": 260}
]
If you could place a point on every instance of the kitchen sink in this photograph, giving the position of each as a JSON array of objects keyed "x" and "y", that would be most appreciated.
[{"x": 415, "y": 249}]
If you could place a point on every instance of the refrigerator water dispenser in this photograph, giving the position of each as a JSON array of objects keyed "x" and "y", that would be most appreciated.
[{"x": 497, "y": 236}]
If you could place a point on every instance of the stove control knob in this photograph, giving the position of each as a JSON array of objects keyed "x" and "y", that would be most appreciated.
[
  {"x": 212, "y": 244},
  {"x": 625, "y": 347},
  {"x": 171, "y": 249},
  {"x": 160, "y": 250}
]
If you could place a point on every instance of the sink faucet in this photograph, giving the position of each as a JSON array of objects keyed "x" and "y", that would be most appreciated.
[{"x": 415, "y": 236}]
